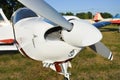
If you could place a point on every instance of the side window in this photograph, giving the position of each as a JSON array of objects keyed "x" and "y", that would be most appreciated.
[{"x": 1, "y": 18}]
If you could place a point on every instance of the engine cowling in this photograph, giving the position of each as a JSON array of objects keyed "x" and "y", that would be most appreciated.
[{"x": 33, "y": 37}]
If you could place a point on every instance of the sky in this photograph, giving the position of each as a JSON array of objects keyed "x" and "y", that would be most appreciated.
[{"x": 75, "y": 6}]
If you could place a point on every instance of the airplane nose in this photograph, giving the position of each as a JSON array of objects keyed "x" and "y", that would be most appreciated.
[{"x": 83, "y": 34}]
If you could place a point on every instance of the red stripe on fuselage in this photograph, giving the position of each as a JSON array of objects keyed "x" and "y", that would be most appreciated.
[
  {"x": 22, "y": 51},
  {"x": 7, "y": 41}
]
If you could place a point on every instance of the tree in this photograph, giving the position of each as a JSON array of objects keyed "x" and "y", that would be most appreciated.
[
  {"x": 84, "y": 15},
  {"x": 68, "y": 13},
  {"x": 106, "y": 15},
  {"x": 9, "y": 6},
  {"x": 62, "y": 13},
  {"x": 90, "y": 15}
]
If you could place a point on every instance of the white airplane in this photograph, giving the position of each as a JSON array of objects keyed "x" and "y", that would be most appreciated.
[
  {"x": 99, "y": 18},
  {"x": 116, "y": 19},
  {"x": 6, "y": 33},
  {"x": 53, "y": 39}
]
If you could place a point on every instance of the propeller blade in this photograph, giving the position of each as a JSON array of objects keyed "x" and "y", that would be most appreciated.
[
  {"x": 45, "y": 10},
  {"x": 101, "y": 49}
]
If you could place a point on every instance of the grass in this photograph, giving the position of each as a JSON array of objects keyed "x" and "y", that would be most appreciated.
[{"x": 87, "y": 65}]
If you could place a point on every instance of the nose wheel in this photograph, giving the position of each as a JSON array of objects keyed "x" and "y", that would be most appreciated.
[{"x": 66, "y": 78}]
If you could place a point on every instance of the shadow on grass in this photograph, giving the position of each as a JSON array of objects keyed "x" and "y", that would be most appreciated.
[
  {"x": 108, "y": 29},
  {"x": 9, "y": 52}
]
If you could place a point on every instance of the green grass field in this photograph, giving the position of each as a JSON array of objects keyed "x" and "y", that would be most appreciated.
[{"x": 87, "y": 65}]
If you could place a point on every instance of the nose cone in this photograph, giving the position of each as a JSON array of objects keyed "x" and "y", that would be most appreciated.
[{"x": 82, "y": 34}]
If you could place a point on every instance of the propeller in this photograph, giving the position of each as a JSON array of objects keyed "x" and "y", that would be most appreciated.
[
  {"x": 101, "y": 49},
  {"x": 45, "y": 10}
]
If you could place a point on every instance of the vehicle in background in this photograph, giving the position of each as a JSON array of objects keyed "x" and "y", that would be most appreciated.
[{"x": 6, "y": 34}]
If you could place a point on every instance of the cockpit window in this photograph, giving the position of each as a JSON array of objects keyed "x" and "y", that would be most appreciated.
[{"x": 1, "y": 18}]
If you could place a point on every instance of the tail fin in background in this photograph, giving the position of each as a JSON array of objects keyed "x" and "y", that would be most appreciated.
[{"x": 97, "y": 17}]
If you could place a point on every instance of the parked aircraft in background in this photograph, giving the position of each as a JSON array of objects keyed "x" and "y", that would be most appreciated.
[
  {"x": 6, "y": 34},
  {"x": 114, "y": 20},
  {"x": 98, "y": 18}
]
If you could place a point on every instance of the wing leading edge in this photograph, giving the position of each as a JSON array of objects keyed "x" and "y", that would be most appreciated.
[{"x": 101, "y": 24}]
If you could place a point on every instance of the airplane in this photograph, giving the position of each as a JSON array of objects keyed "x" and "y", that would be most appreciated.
[
  {"x": 42, "y": 34},
  {"x": 53, "y": 39},
  {"x": 114, "y": 20},
  {"x": 98, "y": 18},
  {"x": 6, "y": 34}
]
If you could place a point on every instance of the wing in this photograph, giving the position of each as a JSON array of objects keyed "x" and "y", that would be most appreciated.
[{"x": 101, "y": 24}]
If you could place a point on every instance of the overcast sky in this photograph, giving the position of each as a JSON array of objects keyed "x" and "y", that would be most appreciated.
[{"x": 112, "y": 6}]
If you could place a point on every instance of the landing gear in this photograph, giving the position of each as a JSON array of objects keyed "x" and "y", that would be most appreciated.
[
  {"x": 64, "y": 67},
  {"x": 66, "y": 78},
  {"x": 60, "y": 67}
]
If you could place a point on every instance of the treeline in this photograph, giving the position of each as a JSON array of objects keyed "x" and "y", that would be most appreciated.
[
  {"x": 9, "y": 6},
  {"x": 88, "y": 15}
]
